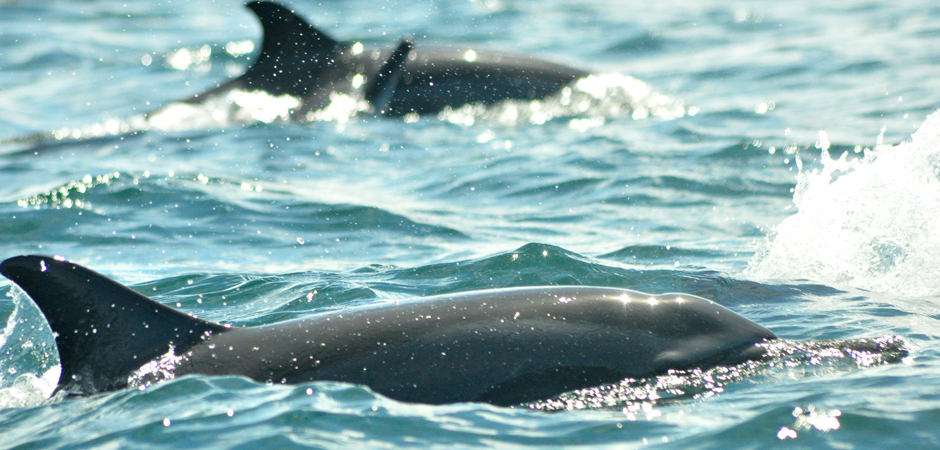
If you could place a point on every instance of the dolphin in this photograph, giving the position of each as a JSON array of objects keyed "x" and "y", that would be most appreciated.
[
  {"x": 501, "y": 346},
  {"x": 298, "y": 60},
  {"x": 301, "y": 70}
]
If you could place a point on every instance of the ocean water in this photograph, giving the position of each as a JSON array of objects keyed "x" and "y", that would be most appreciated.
[{"x": 781, "y": 159}]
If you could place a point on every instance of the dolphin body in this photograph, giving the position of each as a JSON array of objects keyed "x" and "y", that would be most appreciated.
[
  {"x": 298, "y": 60},
  {"x": 501, "y": 346},
  {"x": 304, "y": 66}
]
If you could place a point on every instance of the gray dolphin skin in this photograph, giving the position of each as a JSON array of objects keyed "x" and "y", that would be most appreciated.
[
  {"x": 501, "y": 346},
  {"x": 298, "y": 60}
]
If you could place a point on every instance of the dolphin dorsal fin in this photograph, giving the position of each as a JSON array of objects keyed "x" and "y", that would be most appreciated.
[
  {"x": 104, "y": 331},
  {"x": 379, "y": 90},
  {"x": 291, "y": 49}
]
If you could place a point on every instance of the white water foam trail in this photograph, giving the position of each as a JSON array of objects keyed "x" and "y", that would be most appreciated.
[
  {"x": 875, "y": 226},
  {"x": 586, "y": 103}
]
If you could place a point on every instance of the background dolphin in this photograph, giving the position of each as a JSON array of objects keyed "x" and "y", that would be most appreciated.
[
  {"x": 301, "y": 70},
  {"x": 298, "y": 60},
  {"x": 502, "y": 346}
]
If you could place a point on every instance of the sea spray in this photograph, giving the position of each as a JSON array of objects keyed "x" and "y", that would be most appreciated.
[{"x": 870, "y": 223}]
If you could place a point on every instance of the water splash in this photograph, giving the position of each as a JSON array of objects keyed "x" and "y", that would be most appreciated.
[
  {"x": 871, "y": 223},
  {"x": 29, "y": 368},
  {"x": 156, "y": 371},
  {"x": 236, "y": 107}
]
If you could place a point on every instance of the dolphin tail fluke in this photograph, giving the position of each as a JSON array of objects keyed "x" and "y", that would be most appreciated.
[
  {"x": 104, "y": 331},
  {"x": 379, "y": 90}
]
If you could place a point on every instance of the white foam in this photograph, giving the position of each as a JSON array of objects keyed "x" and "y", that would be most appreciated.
[
  {"x": 871, "y": 223},
  {"x": 237, "y": 107},
  {"x": 29, "y": 390}
]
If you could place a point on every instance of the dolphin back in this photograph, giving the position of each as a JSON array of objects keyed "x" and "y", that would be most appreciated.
[
  {"x": 104, "y": 331},
  {"x": 299, "y": 60}
]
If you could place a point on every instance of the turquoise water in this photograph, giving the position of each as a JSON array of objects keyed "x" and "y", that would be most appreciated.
[{"x": 703, "y": 158}]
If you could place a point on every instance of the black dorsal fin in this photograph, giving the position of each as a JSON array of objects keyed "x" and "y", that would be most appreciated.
[
  {"x": 104, "y": 331},
  {"x": 380, "y": 89},
  {"x": 291, "y": 51}
]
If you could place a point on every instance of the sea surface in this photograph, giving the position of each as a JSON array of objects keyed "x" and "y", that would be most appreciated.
[{"x": 779, "y": 158}]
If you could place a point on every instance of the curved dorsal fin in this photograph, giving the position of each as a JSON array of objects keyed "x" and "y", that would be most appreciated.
[
  {"x": 104, "y": 331},
  {"x": 291, "y": 50},
  {"x": 379, "y": 90}
]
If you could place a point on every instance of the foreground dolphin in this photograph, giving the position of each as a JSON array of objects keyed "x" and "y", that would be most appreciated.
[
  {"x": 298, "y": 60},
  {"x": 502, "y": 346}
]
